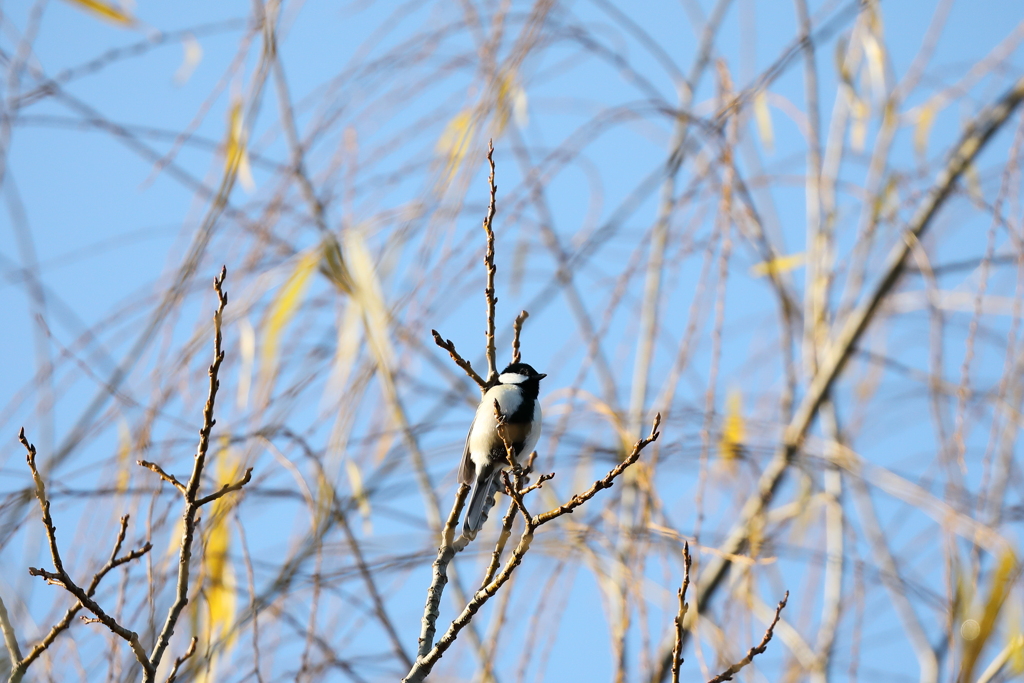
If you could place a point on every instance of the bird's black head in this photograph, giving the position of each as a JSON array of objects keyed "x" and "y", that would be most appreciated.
[{"x": 523, "y": 376}]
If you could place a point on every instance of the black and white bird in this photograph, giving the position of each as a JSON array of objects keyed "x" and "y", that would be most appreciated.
[{"x": 484, "y": 457}]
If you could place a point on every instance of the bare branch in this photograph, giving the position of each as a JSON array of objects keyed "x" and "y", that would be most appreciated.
[
  {"x": 677, "y": 651},
  {"x": 191, "y": 491},
  {"x": 181, "y": 660},
  {"x": 515, "y": 495},
  {"x": 540, "y": 482},
  {"x": 60, "y": 576},
  {"x": 448, "y": 346},
  {"x": 754, "y": 651},
  {"x": 517, "y": 328},
  {"x": 18, "y": 668},
  {"x": 605, "y": 482},
  {"x": 169, "y": 478},
  {"x": 226, "y": 488},
  {"x": 492, "y": 300}
]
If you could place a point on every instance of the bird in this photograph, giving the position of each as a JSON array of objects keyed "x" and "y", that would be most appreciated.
[{"x": 484, "y": 456}]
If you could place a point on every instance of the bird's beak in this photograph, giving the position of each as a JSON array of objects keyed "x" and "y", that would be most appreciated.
[{"x": 541, "y": 376}]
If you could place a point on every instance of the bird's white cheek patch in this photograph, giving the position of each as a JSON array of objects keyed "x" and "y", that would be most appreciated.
[{"x": 512, "y": 378}]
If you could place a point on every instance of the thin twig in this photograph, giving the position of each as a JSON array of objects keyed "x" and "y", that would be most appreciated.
[
  {"x": 181, "y": 660},
  {"x": 604, "y": 483},
  {"x": 492, "y": 300},
  {"x": 448, "y": 346},
  {"x": 226, "y": 488},
  {"x": 193, "y": 501},
  {"x": 60, "y": 576},
  {"x": 18, "y": 668},
  {"x": 169, "y": 478},
  {"x": 677, "y": 651},
  {"x": 754, "y": 651},
  {"x": 517, "y": 328},
  {"x": 540, "y": 482}
]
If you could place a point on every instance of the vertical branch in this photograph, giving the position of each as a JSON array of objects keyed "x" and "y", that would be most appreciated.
[
  {"x": 492, "y": 300},
  {"x": 677, "y": 650},
  {"x": 517, "y": 328},
  {"x": 191, "y": 493}
]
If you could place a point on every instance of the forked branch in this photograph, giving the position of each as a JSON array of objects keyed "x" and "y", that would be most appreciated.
[{"x": 150, "y": 663}]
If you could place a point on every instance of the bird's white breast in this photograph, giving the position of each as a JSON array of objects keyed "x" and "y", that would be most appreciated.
[{"x": 485, "y": 425}]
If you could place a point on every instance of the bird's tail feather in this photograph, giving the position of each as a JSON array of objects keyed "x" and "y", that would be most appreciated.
[{"x": 482, "y": 500}]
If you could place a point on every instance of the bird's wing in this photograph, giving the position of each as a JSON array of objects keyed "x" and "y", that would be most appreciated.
[{"x": 467, "y": 470}]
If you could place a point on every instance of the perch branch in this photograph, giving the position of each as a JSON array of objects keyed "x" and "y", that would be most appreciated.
[
  {"x": 445, "y": 553},
  {"x": 425, "y": 662}
]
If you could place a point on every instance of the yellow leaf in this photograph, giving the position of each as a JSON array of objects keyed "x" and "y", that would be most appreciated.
[
  {"x": 105, "y": 10},
  {"x": 190, "y": 60},
  {"x": 247, "y": 349},
  {"x": 875, "y": 54},
  {"x": 454, "y": 142},
  {"x": 1017, "y": 655},
  {"x": 333, "y": 264},
  {"x": 124, "y": 450},
  {"x": 925, "y": 119},
  {"x": 779, "y": 265},
  {"x": 510, "y": 101},
  {"x": 218, "y": 574},
  {"x": 284, "y": 306},
  {"x": 370, "y": 297},
  {"x": 324, "y": 499},
  {"x": 733, "y": 427},
  {"x": 999, "y": 589},
  {"x": 764, "y": 120},
  {"x": 973, "y": 183},
  {"x": 355, "y": 481},
  {"x": 236, "y": 155}
]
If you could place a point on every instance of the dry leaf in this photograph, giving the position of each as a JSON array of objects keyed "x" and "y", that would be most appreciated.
[
  {"x": 778, "y": 265},
  {"x": 763, "y": 116},
  {"x": 283, "y": 309},
  {"x": 106, "y": 11},
  {"x": 733, "y": 426},
  {"x": 454, "y": 142}
]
